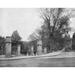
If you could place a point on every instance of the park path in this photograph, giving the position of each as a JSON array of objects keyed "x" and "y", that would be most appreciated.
[{"x": 66, "y": 59}]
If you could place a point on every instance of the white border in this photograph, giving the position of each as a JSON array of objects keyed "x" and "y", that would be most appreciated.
[
  {"x": 37, "y": 71},
  {"x": 37, "y": 4}
]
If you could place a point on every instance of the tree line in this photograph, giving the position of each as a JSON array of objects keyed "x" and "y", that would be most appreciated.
[
  {"x": 54, "y": 32},
  {"x": 55, "y": 29}
]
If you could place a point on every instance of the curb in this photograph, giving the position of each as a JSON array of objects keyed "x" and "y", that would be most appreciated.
[{"x": 28, "y": 57}]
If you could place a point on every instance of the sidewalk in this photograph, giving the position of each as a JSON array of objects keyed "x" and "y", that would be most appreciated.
[
  {"x": 58, "y": 54},
  {"x": 37, "y": 56}
]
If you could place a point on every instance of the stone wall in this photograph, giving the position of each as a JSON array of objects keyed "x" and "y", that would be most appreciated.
[{"x": 8, "y": 47}]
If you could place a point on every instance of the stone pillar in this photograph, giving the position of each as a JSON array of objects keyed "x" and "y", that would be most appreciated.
[
  {"x": 39, "y": 50},
  {"x": 32, "y": 50},
  {"x": 45, "y": 50},
  {"x": 39, "y": 47},
  {"x": 18, "y": 50},
  {"x": 8, "y": 47}
]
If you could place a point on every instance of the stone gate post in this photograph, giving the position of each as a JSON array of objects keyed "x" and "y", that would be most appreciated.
[
  {"x": 32, "y": 50},
  {"x": 39, "y": 47},
  {"x": 18, "y": 49},
  {"x": 8, "y": 47}
]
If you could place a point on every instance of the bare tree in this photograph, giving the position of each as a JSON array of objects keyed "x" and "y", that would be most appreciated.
[
  {"x": 35, "y": 35},
  {"x": 56, "y": 23}
]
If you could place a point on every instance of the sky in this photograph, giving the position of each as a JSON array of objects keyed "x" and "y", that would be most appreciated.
[{"x": 24, "y": 20}]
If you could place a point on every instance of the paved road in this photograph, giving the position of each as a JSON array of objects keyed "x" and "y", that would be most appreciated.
[{"x": 40, "y": 62}]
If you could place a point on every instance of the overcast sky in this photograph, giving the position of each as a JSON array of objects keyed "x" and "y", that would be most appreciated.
[{"x": 24, "y": 20}]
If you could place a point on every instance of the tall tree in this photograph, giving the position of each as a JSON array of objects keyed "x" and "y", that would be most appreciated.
[{"x": 56, "y": 22}]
